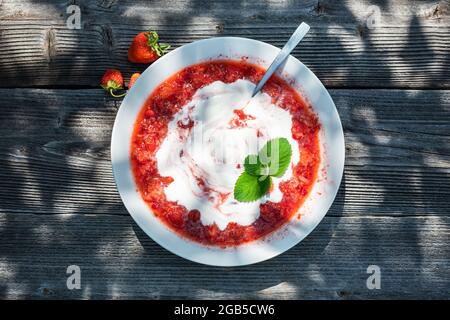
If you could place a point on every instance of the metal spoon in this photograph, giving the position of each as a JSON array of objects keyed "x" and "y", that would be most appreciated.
[{"x": 296, "y": 37}]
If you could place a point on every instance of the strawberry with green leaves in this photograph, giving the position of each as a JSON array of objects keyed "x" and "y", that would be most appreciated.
[
  {"x": 146, "y": 48},
  {"x": 112, "y": 81}
]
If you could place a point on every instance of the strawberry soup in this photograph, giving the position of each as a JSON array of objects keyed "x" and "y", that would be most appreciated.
[{"x": 193, "y": 134}]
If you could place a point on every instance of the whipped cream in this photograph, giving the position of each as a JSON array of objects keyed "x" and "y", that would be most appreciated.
[{"x": 207, "y": 143}]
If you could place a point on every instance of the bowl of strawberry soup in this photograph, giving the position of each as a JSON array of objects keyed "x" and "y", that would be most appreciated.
[{"x": 215, "y": 175}]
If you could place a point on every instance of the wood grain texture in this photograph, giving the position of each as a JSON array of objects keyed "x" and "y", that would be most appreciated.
[
  {"x": 54, "y": 152},
  {"x": 118, "y": 261},
  {"x": 409, "y": 46},
  {"x": 58, "y": 201}
]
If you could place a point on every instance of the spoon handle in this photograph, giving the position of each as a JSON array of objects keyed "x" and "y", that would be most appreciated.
[{"x": 296, "y": 37}]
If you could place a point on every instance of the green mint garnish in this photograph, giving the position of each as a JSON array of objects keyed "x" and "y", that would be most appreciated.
[
  {"x": 271, "y": 161},
  {"x": 249, "y": 188},
  {"x": 252, "y": 165}
]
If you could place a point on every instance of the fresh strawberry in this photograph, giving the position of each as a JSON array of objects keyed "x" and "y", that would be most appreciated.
[
  {"x": 133, "y": 79},
  {"x": 146, "y": 48},
  {"x": 112, "y": 81}
]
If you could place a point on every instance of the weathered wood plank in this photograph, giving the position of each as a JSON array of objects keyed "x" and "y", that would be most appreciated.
[
  {"x": 117, "y": 260},
  {"x": 59, "y": 205},
  {"x": 54, "y": 152},
  {"x": 409, "y": 47}
]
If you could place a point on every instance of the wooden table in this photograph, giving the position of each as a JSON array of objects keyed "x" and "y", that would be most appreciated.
[{"x": 59, "y": 206}]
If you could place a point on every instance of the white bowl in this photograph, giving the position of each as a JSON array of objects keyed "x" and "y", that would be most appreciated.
[{"x": 317, "y": 203}]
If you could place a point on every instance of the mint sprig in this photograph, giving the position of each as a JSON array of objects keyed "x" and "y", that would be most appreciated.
[{"x": 271, "y": 161}]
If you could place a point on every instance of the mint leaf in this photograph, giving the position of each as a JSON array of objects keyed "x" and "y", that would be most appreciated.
[
  {"x": 252, "y": 165},
  {"x": 250, "y": 188},
  {"x": 272, "y": 161},
  {"x": 276, "y": 156}
]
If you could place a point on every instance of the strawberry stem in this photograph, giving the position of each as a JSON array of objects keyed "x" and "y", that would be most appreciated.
[
  {"x": 152, "y": 42},
  {"x": 111, "y": 92}
]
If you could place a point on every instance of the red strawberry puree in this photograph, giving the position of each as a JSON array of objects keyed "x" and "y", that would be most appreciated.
[{"x": 207, "y": 212}]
